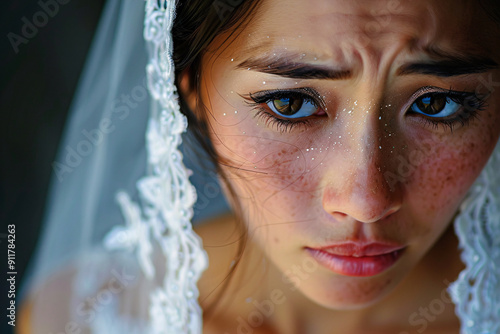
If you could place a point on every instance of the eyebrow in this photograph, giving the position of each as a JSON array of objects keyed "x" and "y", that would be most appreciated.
[
  {"x": 448, "y": 65},
  {"x": 285, "y": 66}
]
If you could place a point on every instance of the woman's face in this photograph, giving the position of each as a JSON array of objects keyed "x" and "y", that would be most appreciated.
[{"x": 351, "y": 132}]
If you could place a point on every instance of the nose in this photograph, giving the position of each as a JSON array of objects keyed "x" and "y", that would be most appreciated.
[{"x": 356, "y": 187}]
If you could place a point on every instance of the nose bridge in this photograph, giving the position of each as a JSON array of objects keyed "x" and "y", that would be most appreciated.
[{"x": 356, "y": 187}]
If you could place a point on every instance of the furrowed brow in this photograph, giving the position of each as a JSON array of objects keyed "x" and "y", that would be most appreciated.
[
  {"x": 285, "y": 66},
  {"x": 450, "y": 65}
]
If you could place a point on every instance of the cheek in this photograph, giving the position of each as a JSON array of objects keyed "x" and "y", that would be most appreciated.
[
  {"x": 445, "y": 178},
  {"x": 265, "y": 161},
  {"x": 268, "y": 170},
  {"x": 275, "y": 175},
  {"x": 448, "y": 166}
]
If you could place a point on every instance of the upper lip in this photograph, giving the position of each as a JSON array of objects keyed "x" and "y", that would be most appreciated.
[{"x": 358, "y": 249}]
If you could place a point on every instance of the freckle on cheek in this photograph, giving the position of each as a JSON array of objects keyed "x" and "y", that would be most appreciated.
[{"x": 446, "y": 175}]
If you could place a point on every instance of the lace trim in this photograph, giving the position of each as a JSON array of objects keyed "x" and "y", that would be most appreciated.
[
  {"x": 166, "y": 194},
  {"x": 476, "y": 292}
]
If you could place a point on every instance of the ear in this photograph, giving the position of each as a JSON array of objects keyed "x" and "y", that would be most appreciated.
[{"x": 188, "y": 90}]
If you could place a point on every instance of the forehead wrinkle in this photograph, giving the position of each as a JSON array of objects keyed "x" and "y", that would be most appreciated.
[
  {"x": 321, "y": 38},
  {"x": 335, "y": 46},
  {"x": 362, "y": 19}
]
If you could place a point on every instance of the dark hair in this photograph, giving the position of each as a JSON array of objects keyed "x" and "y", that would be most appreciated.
[
  {"x": 492, "y": 8},
  {"x": 196, "y": 25}
]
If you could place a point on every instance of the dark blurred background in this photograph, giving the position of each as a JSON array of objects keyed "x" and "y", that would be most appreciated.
[{"x": 39, "y": 72}]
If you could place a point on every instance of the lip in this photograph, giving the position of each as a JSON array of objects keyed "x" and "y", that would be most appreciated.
[{"x": 358, "y": 259}]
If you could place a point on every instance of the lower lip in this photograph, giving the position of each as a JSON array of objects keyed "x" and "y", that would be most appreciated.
[{"x": 364, "y": 266}]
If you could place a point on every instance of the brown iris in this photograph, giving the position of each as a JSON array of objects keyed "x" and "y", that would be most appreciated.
[
  {"x": 432, "y": 105},
  {"x": 288, "y": 106}
]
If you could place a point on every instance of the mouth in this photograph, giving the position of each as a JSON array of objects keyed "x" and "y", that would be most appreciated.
[{"x": 357, "y": 260}]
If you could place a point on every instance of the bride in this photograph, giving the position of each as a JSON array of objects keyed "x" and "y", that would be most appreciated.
[{"x": 347, "y": 137}]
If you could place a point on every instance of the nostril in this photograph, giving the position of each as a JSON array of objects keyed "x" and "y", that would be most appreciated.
[
  {"x": 383, "y": 215},
  {"x": 365, "y": 202},
  {"x": 339, "y": 215},
  {"x": 372, "y": 217},
  {"x": 390, "y": 212}
]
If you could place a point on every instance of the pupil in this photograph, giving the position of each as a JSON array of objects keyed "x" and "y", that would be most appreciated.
[
  {"x": 432, "y": 105},
  {"x": 439, "y": 104},
  {"x": 288, "y": 106}
]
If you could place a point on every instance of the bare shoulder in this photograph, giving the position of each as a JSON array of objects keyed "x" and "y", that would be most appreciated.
[
  {"x": 23, "y": 325},
  {"x": 53, "y": 292},
  {"x": 71, "y": 298}
]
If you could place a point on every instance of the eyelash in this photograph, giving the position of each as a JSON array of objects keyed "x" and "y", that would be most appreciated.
[
  {"x": 282, "y": 124},
  {"x": 474, "y": 102},
  {"x": 467, "y": 113}
]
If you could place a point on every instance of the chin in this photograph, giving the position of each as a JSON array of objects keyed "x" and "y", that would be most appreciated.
[{"x": 349, "y": 293}]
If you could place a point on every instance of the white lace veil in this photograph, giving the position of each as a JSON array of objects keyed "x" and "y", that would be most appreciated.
[
  {"x": 84, "y": 179},
  {"x": 476, "y": 293},
  {"x": 103, "y": 151},
  {"x": 79, "y": 284}
]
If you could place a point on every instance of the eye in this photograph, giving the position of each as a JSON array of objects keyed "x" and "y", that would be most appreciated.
[
  {"x": 289, "y": 104},
  {"x": 292, "y": 107},
  {"x": 287, "y": 108},
  {"x": 436, "y": 105}
]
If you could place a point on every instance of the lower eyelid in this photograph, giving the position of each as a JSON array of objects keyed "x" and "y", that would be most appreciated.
[
  {"x": 282, "y": 125},
  {"x": 451, "y": 122}
]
